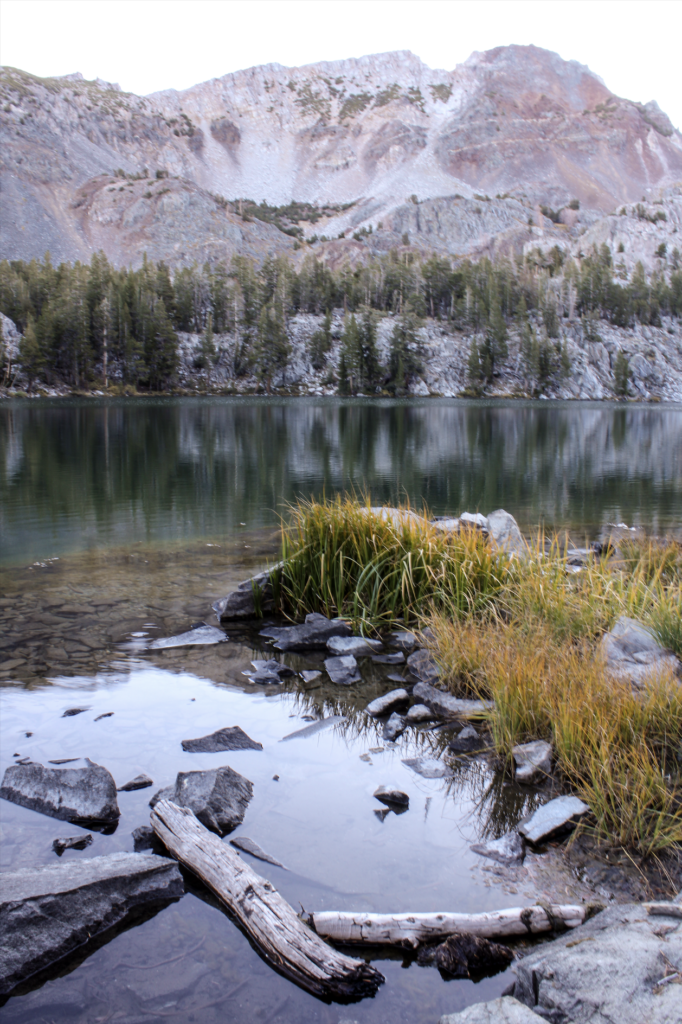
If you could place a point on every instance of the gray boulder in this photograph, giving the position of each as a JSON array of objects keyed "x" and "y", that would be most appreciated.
[
  {"x": 230, "y": 738},
  {"x": 423, "y": 666},
  {"x": 46, "y": 913},
  {"x": 607, "y": 970},
  {"x": 358, "y": 646},
  {"x": 343, "y": 670},
  {"x": 218, "y": 798},
  {"x": 504, "y": 531},
  {"x": 447, "y": 706},
  {"x": 508, "y": 849},
  {"x": 392, "y": 797},
  {"x": 403, "y": 639},
  {"x": 473, "y": 520},
  {"x": 199, "y": 635},
  {"x": 310, "y": 635},
  {"x": 633, "y": 654},
  {"x": 394, "y": 727},
  {"x": 387, "y": 703},
  {"x": 241, "y": 603},
  {"x": 71, "y": 794},
  {"x": 553, "y": 818},
  {"x": 505, "y": 1010},
  {"x": 533, "y": 761},
  {"x": 466, "y": 741},
  {"x": 419, "y": 713}
]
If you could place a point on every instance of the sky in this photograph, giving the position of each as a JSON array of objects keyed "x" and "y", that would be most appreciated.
[{"x": 148, "y": 45}]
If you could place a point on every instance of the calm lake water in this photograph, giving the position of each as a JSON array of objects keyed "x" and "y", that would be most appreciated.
[{"x": 132, "y": 517}]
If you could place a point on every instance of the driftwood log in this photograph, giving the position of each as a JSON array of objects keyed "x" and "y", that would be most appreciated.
[
  {"x": 412, "y": 930},
  {"x": 282, "y": 938}
]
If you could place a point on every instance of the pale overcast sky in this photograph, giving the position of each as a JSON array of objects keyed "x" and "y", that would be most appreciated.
[{"x": 146, "y": 45}]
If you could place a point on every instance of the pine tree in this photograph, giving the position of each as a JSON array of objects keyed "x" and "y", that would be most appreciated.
[
  {"x": 31, "y": 355},
  {"x": 494, "y": 349},
  {"x": 321, "y": 343},
  {"x": 350, "y": 356},
  {"x": 406, "y": 353},
  {"x": 367, "y": 350},
  {"x": 474, "y": 367},
  {"x": 621, "y": 374},
  {"x": 272, "y": 353}
]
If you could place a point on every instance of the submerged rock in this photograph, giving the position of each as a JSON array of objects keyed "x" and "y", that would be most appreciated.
[
  {"x": 428, "y": 767},
  {"x": 394, "y": 727},
  {"x": 447, "y": 706},
  {"x": 388, "y": 702},
  {"x": 70, "y": 712},
  {"x": 633, "y": 654},
  {"x": 218, "y": 798},
  {"x": 504, "y": 530},
  {"x": 508, "y": 849},
  {"x": 249, "y": 846},
  {"x": 71, "y": 843},
  {"x": 311, "y": 730},
  {"x": 554, "y": 818},
  {"x": 312, "y": 634},
  {"x": 199, "y": 635},
  {"x": 139, "y": 782},
  {"x": 462, "y": 954},
  {"x": 343, "y": 670},
  {"x": 612, "y": 968},
  {"x": 392, "y": 797},
  {"x": 505, "y": 1010},
  {"x": 241, "y": 603},
  {"x": 465, "y": 741},
  {"x": 46, "y": 913},
  {"x": 423, "y": 666},
  {"x": 71, "y": 794},
  {"x": 358, "y": 646},
  {"x": 229, "y": 738},
  {"x": 533, "y": 761}
]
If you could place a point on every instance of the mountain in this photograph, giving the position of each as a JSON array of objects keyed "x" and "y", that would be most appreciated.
[{"x": 513, "y": 144}]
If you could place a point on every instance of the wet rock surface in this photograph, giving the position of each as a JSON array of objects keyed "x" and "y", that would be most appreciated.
[
  {"x": 443, "y": 704},
  {"x": 199, "y": 635},
  {"x": 219, "y": 798},
  {"x": 71, "y": 794},
  {"x": 309, "y": 636},
  {"x": 358, "y": 646},
  {"x": 508, "y": 849},
  {"x": 45, "y": 913},
  {"x": 633, "y": 654},
  {"x": 533, "y": 761},
  {"x": 553, "y": 819},
  {"x": 229, "y": 738},
  {"x": 343, "y": 670},
  {"x": 389, "y": 702}
]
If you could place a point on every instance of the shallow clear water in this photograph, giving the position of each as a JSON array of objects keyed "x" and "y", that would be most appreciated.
[{"x": 124, "y": 518}]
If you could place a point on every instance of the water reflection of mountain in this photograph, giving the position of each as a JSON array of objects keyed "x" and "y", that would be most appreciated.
[{"x": 150, "y": 468}]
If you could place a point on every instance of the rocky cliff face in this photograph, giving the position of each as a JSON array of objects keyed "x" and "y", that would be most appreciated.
[{"x": 415, "y": 151}]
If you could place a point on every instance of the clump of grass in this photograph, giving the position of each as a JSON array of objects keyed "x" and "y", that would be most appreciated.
[
  {"x": 654, "y": 562},
  {"x": 665, "y": 618},
  {"x": 377, "y": 569}
]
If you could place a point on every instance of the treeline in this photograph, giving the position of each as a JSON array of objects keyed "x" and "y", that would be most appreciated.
[{"x": 85, "y": 323}]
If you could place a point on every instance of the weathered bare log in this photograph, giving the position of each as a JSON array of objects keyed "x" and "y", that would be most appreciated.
[
  {"x": 411, "y": 930},
  {"x": 283, "y": 939}
]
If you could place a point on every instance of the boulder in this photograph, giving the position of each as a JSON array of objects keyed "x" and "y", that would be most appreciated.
[
  {"x": 473, "y": 520},
  {"x": 241, "y": 603},
  {"x": 46, "y": 913},
  {"x": 552, "y": 819},
  {"x": 394, "y": 727},
  {"x": 139, "y": 782},
  {"x": 392, "y": 797},
  {"x": 447, "y": 706},
  {"x": 310, "y": 635},
  {"x": 606, "y": 970},
  {"x": 199, "y": 635},
  {"x": 446, "y": 524},
  {"x": 504, "y": 530},
  {"x": 632, "y": 654},
  {"x": 419, "y": 713},
  {"x": 508, "y": 849},
  {"x": 505, "y": 1010},
  {"x": 387, "y": 703},
  {"x": 533, "y": 761},
  {"x": 71, "y": 843},
  {"x": 72, "y": 794},
  {"x": 358, "y": 646},
  {"x": 465, "y": 741},
  {"x": 229, "y": 738},
  {"x": 249, "y": 846},
  {"x": 309, "y": 675},
  {"x": 428, "y": 767},
  {"x": 423, "y": 665},
  {"x": 218, "y": 798},
  {"x": 343, "y": 670}
]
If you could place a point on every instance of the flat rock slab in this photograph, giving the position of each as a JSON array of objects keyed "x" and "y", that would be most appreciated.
[
  {"x": 392, "y": 797},
  {"x": 606, "y": 970},
  {"x": 230, "y": 738},
  {"x": 139, "y": 782},
  {"x": 533, "y": 761},
  {"x": 419, "y": 713},
  {"x": 394, "y": 727},
  {"x": 311, "y": 635},
  {"x": 250, "y": 846},
  {"x": 71, "y": 794},
  {"x": 218, "y": 798},
  {"x": 46, "y": 913},
  {"x": 398, "y": 658},
  {"x": 71, "y": 843},
  {"x": 553, "y": 818},
  {"x": 200, "y": 635},
  {"x": 428, "y": 767},
  {"x": 358, "y": 646},
  {"x": 388, "y": 702},
  {"x": 505, "y": 1010},
  {"x": 343, "y": 670},
  {"x": 508, "y": 849},
  {"x": 633, "y": 654},
  {"x": 448, "y": 706},
  {"x": 422, "y": 665},
  {"x": 311, "y": 730}
]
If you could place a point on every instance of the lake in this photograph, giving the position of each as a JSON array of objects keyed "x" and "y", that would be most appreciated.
[{"x": 131, "y": 517}]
